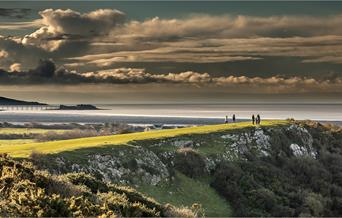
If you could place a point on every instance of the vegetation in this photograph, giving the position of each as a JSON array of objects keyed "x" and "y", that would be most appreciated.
[
  {"x": 5, "y": 131},
  {"x": 27, "y": 192},
  {"x": 184, "y": 191},
  {"x": 9, "y": 142},
  {"x": 12, "y": 134},
  {"x": 26, "y": 133},
  {"x": 203, "y": 173},
  {"x": 73, "y": 144},
  {"x": 286, "y": 185}
]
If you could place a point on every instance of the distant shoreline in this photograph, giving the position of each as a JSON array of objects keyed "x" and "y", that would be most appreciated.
[{"x": 68, "y": 117}]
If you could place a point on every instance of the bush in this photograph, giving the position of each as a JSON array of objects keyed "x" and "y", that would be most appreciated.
[
  {"x": 286, "y": 185},
  {"x": 25, "y": 191},
  {"x": 190, "y": 163}
]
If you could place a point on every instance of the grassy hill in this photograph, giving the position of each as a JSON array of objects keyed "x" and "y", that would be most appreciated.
[
  {"x": 181, "y": 190},
  {"x": 281, "y": 168},
  {"x": 75, "y": 144}
]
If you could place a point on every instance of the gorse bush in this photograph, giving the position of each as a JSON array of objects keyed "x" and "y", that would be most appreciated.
[{"x": 25, "y": 191}]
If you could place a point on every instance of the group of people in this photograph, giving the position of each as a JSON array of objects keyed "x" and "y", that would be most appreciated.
[
  {"x": 255, "y": 119},
  {"x": 226, "y": 120}
]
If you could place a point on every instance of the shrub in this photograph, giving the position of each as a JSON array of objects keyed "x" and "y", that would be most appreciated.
[
  {"x": 25, "y": 191},
  {"x": 283, "y": 185},
  {"x": 190, "y": 163}
]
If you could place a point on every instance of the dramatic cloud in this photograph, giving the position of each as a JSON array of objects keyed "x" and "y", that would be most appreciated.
[
  {"x": 47, "y": 73},
  {"x": 16, "y": 52},
  {"x": 104, "y": 39},
  {"x": 60, "y": 25},
  {"x": 217, "y": 39},
  {"x": 234, "y": 27},
  {"x": 268, "y": 84}
]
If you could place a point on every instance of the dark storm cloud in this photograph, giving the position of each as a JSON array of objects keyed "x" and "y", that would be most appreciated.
[
  {"x": 47, "y": 73},
  {"x": 18, "y": 13}
]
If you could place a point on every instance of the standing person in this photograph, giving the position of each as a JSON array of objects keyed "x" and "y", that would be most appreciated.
[
  {"x": 253, "y": 119},
  {"x": 258, "y": 119},
  {"x": 226, "y": 119},
  {"x": 233, "y": 118}
]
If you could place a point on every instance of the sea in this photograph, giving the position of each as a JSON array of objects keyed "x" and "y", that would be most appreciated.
[{"x": 177, "y": 114}]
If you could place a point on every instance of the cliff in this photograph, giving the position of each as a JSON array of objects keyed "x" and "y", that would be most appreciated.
[{"x": 292, "y": 169}]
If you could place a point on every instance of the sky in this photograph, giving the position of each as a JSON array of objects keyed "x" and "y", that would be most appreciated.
[{"x": 171, "y": 51}]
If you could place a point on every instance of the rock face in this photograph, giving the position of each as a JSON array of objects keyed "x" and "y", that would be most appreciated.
[
  {"x": 304, "y": 148},
  {"x": 153, "y": 161},
  {"x": 133, "y": 165}
]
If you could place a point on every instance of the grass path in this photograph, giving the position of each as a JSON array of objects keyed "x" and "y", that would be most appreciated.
[{"x": 25, "y": 150}]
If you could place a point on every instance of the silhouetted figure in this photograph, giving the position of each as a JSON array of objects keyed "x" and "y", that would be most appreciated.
[
  {"x": 226, "y": 119},
  {"x": 253, "y": 119},
  {"x": 258, "y": 119},
  {"x": 233, "y": 118}
]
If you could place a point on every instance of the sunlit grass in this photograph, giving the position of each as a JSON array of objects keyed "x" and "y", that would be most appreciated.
[
  {"x": 68, "y": 145},
  {"x": 6, "y": 142}
]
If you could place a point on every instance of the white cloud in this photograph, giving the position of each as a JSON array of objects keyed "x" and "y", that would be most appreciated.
[
  {"x": 16, "y": 67},
  {"x": 3, "y": 54},
  {"x": 108, "y": 40},
  {"x": 240, "y": 83},
  {"x": 71, "y": 22},
  {"x": 60, "y": 25}
]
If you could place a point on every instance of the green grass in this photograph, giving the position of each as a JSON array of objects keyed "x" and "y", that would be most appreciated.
[
  {"x": 74, "y": 144},
  {"x": 6, "y": 131},
  {"x": 185, "y": 191}
]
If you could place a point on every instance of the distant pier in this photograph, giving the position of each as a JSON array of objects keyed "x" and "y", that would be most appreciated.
[{"x": 28, "y": 107}]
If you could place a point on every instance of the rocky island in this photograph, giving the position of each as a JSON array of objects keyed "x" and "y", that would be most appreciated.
[{"x": 78, "y": 107}]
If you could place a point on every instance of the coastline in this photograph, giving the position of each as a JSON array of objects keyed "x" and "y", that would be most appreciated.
[{"x": 76, "y": 116}]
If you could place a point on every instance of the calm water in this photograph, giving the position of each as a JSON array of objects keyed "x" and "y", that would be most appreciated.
[{"x": 179, "y": 113}]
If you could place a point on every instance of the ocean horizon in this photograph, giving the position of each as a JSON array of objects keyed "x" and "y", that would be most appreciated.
[{"x": 178, "y": 114}]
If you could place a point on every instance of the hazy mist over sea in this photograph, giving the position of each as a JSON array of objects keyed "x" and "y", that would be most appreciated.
[{"x": 179, "y": 113}]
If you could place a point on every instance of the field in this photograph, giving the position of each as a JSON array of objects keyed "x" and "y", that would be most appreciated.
[
  {"x": 6, "y": 131},
  {"x": 24, "y": 150},
  {"x": 7, "y": 142}
]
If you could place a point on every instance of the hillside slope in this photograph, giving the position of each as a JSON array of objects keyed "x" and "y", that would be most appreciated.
[
  {"x": 121, "y": 139},
  {"x": 9, "y": 101},
  {"x": 277, "y": 169},
  {"x": 26, "y": 192}
]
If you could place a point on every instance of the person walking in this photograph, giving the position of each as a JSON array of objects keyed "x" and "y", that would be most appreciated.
[
  {"x": 233, "y": 118},
  {"x": 258, "y": 119},
  {"x": 226, "y": 119},
  {"x": 253, "y": 119}
]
